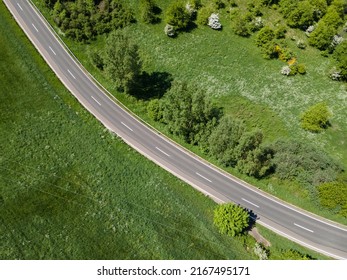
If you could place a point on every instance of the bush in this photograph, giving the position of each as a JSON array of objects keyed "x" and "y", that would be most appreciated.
[
  {"x": 340, "y": 55},
  {"x": 177, "y": 15},
  {"x": 170, "y": 30},
  {"x": 149, "y": 11},
  {"x": 231, "y": 219},
  {"x": 265, "y": 35},
  {"x": 333, "y": 195},
  {"x": 154, "y": 110},
  {"x": 299, "y": 161},
  {"x": 203, "y": 14},
  {"x": 301, "y": 68},
  {"x": 213, "y": 22},
  {"x": 316, "y": 118}
]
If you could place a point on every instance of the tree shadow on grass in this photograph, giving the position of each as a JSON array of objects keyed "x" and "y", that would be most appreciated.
[{"x": 154, "y": 85}]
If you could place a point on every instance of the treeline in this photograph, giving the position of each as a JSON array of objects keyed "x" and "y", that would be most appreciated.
[{"x": 83, "y": 20}]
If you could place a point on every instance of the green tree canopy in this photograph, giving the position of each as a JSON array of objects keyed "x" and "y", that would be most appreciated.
[
  {"x": 122, "y": 62},
  {"x": 340, "y": 54},
  {"x": 231, "y": 219},
  {"x": 316, "y": 118},
  {"x": 177, "y": 15},
  {"x": 189, "y": 113}
]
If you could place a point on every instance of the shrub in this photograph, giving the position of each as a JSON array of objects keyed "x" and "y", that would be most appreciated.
[
  {"x": 213, "y": 22},
  {"x": 231, "y": 219},
  {"x": 203, "y": 14},
  {"x": 265, "y": 35},
  {"x": 301, "y": 44},
  {"x": 177, "y": 15},
  {"x": 300, "y": 161},
  {"x": 333, "y": 195},
  {"x": 301, "y": 68},
  {"x": 260, "y": 251},
  {"x": 316, "y": 118},
  {"x": 154, "y": 110},
  {"x": 148, "y": 11},
  {"x": 170, "y": 30}
]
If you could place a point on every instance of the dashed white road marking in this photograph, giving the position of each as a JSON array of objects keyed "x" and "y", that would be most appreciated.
[
  {"x": 303, "y": 227},
  {"x": 96, "y": 100},
  {"x": 35, "y": 28},
  {"x": 126, "y": 126},
  {"x": 71, "y": 74},
  {"x": 250, "y": 202},
  {"x": 19, "y": 6},
  {"x": 203, "y": 177},
  {"x": 52, "y": 50},
  {"x": 162, "y": 152}
]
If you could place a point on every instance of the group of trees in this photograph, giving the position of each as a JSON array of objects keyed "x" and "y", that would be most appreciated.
[
  {"x": 82, "y": 20},
  {"x": 189, "y": 113}
]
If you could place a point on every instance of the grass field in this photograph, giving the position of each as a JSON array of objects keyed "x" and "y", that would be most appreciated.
[
  {"x": 230, "y": 68},
  {"x": 71, "y": 190}
]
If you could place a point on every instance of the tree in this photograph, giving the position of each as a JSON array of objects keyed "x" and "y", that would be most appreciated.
[
  {"x": 258, "y": 162},
  {"x": 189, "y": 113},
  {"x": 148, "y": 10},
  {"x": 340, "y": 54},
  {"x": 316, "y": 118},
  {"x": 177, "y": 15},
  {"x": 302, "y": 16},
  {"x": 231, "y": 219},
  {"x": 122, "y": 62},
  {"x": 302, "y": 162},
  {"x": 225, "y": 138}
]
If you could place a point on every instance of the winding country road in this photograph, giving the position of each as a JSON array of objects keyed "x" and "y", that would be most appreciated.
[{"x": 296, "y": 224}]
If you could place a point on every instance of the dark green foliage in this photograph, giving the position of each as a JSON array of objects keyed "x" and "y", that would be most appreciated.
[
  {"x": 154, "y": 110},
  {"x": 241, "y": 27},
  {"x": 280, "y": 32},
  {"x": 231, "y": 219},
  {"x": 333, "y": 195},
  {"x": 340, "y": 54},
  {"x": 233, "y": 146},
  {"x": 82, "y": 20},
  {"x": 97, "y": 60},
  {"x": 177, "y": 15},
  {"x": 302, "y": 16},
  {"x": 322, "y": 36},
  {"x": 316, "y": 118},
  {"x": 122, "y": 62},
  {"x": 149, "y": 11},
  {"x": 225, "y": 138},
  {"x": 265, "y": 36},
  {"x": 304, "y": 163},
  {"x": 189, "y": 113}
]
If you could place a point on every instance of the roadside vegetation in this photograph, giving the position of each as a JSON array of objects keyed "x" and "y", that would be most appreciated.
[
  {"x": 232, "y": 55},
  {"x": 71, "y": 190}
]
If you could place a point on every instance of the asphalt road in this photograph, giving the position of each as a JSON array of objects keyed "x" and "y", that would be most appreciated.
[{"x": 298, "y": 225}]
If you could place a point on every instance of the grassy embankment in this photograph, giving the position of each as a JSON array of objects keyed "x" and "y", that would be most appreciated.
[
  {"x": 71, "y": 190},
  {"x": 247, "y": 86}
]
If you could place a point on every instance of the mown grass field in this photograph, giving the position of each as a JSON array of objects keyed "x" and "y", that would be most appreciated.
[
  {"x": 231, "y": 69},
  {"x": 71, "y": 190}
]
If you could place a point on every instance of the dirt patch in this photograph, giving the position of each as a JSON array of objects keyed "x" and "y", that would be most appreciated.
[{"x": 260, "y": 239}]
